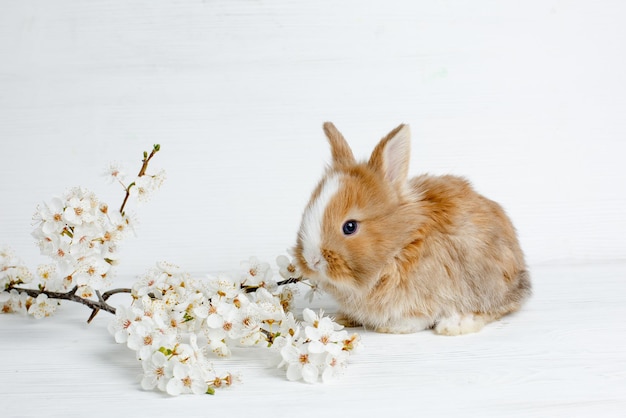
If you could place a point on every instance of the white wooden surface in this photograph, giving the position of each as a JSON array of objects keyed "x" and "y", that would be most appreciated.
[
  {"x": 527, "y": 99},
  {"x": 562, "y": 356}
]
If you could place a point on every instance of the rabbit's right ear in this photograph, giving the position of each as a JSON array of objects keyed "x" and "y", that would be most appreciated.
[
  {"x": 341, "y": 152},
  {"x": 391, "y": 156}
]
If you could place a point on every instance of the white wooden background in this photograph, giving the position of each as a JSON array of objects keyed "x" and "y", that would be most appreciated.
[{"x": 527, "y": 99}]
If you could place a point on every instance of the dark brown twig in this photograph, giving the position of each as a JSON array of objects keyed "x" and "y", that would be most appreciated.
[
  {"x": 291, "y": 280},
  {"x": 102, "y": 298},
  {"x": 71, "y": 295}
]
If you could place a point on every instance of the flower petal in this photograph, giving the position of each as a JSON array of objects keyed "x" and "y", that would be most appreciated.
[{"x": 309, "y": 373}]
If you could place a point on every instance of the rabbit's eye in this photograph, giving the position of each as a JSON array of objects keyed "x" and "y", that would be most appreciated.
[{"x": 350, "y": 227}]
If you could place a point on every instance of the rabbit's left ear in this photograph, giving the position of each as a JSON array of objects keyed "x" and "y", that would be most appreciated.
[
  {"x": 341, "y": 152},
  {"x": 392, "y": 155}
]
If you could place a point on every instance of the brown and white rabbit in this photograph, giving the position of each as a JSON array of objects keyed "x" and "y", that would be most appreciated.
[{"x": 401, "y": 255}]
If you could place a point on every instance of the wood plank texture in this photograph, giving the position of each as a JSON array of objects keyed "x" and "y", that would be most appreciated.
[
  {"x": 562, "y": 356},
  {"x": 527, "y": 100}
]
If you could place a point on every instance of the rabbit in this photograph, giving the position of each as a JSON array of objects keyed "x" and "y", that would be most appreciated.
[{"x": 402, "y": 255}]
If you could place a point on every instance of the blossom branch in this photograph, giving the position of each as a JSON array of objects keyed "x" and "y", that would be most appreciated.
[
  {"x": 291, "y": 280},
  {"x": 71, "y": 295},
  {"x": 101, "y": 303},
  {"x": 102, "y": 298},
  {"x": 146, "y": 160},
  {"x": 174, "y": 320}
]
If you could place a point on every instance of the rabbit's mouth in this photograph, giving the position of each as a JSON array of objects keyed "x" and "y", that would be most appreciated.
[{"x": 311, "y": 263}]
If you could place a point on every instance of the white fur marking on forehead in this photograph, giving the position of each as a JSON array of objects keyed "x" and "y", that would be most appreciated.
[{"x": 314, "y": 217}]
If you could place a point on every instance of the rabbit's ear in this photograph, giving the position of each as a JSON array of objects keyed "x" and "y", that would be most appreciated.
[
  {"x": 341, "y": 152},
  {"x": 392, "y": 155}
]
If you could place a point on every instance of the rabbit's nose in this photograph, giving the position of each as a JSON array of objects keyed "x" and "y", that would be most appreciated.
[{"x": 314, "y": 262}]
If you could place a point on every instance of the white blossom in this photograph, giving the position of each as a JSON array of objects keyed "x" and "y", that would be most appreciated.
[
  {"x": 42, "y": 306},
  {"x": 157, "y": 371},
  {"x": 334, "y": 365},
  {"x": 227, "y": 317},
  {"x": 223, "y": 286},
  {"x": 14, "y": 302},
  {"x": 269, "y": 306},
  {"x": 124, "y": 319},
  {"x": 314, "y": 290},
  {"x": 92, "y": 272},
  {"x": 114, "y": 172},
  {"x": 144, "y": 337},
  {"x": 286, "y": 268},
  {"x": 82, "y": 235},
  {"x": 176, "y": 322},
  {"x": 145, "y": 186},
  {"x": 12, "y": 269},
  {"x": 80, "y": 208},
  {"x": 50, "y": 216},
  {"x": 158, "y": 179},
  {"x": 257, "y": 273},
  {"x": 299, "y": 364},
  {"x": 186, "y": 379}
]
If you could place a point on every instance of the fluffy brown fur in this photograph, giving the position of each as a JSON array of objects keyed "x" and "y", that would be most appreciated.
[{"x": 428, "y": 252}]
